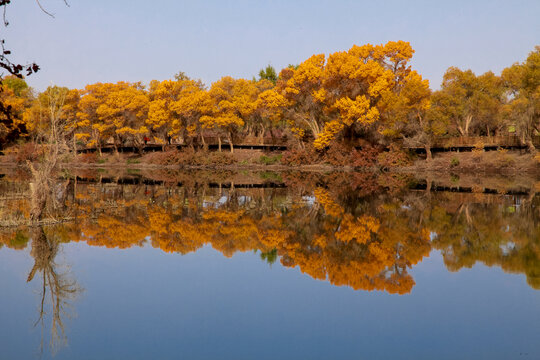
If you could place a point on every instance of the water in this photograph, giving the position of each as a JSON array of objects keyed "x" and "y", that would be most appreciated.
[{"x": 252, "y": 265}]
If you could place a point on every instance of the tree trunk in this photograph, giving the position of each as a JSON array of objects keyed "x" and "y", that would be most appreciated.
[
  {"x": 468, "y": 121},
  {"x": 262, "y": 134},
  {"x": 429, "y": 157},
  {"x": 203, "y": 142},
  {"x": 219, "y": 143},
  {"x": 530, "y": 146},
  {"x": 231, "y": 143}
]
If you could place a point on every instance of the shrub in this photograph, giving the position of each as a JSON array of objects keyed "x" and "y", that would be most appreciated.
[
  {"x": 364, "y": 158},
  {"x": 394, "y": 157},
  {"x": 88, "y": 158},
  {"x": 537, "y": 158},
  {"x": 478, "y": 147},
  {"x": 189, "y": 156},
  {"x": 132, "y": 161},
  {"x": 296, "y": 157},
  {"x": 270, "y": 160},
  {"x": 338, "y": 155},
  {"x": 504, "y": 159},
  {"x": 213, "y": 158},
  {"x": 454, "y": 162},
  {"x": 27, "y": 152},
  {"x": 172, "y": 157}
]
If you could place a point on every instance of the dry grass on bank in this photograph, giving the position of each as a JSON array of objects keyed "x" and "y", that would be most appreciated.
[
  {"x": 500, "y": 161},
  {"x": 336, "y": 157}
]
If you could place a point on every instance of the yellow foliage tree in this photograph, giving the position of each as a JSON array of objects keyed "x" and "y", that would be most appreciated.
[{"x": 233, "y": 101}]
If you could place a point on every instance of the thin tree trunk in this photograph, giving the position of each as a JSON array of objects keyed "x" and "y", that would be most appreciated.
[
  {"x": 530, "y": 146},
  {"x": 429, "y": 157},
  {"x": 262, "y": 135},
  {"x": 203, "y": 142},
  {"x": 231, "y": 143}
]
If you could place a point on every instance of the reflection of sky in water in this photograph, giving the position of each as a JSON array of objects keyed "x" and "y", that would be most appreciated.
[{"x": 142, "y": 303}]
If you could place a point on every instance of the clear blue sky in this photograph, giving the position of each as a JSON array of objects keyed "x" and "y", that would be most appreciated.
[{"x": 135, "y": 40}]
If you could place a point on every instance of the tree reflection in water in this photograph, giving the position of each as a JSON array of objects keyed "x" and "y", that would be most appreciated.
[
  {"x": 365, "y": 231},
  {"x": 38, "y": 216},
  {"x": 56, "y": 288}
]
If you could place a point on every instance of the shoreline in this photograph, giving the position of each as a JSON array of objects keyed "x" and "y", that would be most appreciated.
[{"x": 469, "y": 163}]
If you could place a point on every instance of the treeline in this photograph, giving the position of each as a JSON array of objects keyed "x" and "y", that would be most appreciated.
[{"x": 366, "y": 95}]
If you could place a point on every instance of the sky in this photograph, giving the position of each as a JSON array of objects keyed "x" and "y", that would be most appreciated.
[{"x": 134, "y": 40}]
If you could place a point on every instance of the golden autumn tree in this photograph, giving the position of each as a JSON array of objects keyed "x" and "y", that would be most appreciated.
[
  {"x": 301, "y": 87},
  {"x": 125, "y": 109},
  {"x": 345, "y": 94},
  {"x": 160, "y": 115},
  {"x": 258, "y": 122},
  {"x": 468, "y": 102},
  {"x": 233, "y": 101},
  {"x": 522, "y": 84},
  {"x": 188, "y": 103},
  {"x": 270, "y": 111},
  {"x": 91, "y": 130},
  {"x": 112, "y": 111},
  {"x": 406, "y": 111},
  {"x": 14, "y": 97}
]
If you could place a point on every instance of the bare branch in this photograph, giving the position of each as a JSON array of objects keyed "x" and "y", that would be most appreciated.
[{"x": 42, "y": 9}]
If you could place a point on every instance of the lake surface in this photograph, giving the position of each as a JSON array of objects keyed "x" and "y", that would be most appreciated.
[{"x": 263, "y": 265}]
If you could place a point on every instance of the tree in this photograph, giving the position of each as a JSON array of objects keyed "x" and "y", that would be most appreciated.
[
  {"x": 116, "y": 111},
  {"x": 470, "y": 102},
  {"x": 406, "y": 114},
  {"x": 91, "y": 130},
  {"x": 56, "y": 106},
  {"x": 345, "y": 94},
  {"x": 268, "y": 73},
  {"x": 175, "y": 107},
  {"x": 522, "y": 84},
  {"x": 270, "y": 107},
  {"x": 124, "y": 110},
  {"x": 233, "y": 102},
  {"x": 14, "y": 98}
]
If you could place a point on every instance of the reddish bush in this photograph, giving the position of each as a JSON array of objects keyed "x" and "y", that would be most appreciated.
[
  {"x": 172, "y": 157},
  {"x": 338, "y": 155},
  {"x": 394, "y": 157},
  {"x": 87, "y": 158},
  {"x": 189, "y": 156},
  {"x": 364, "y": 158},
  {"x": 296, "y": 157},
  {"x": 27, "y": 152}
]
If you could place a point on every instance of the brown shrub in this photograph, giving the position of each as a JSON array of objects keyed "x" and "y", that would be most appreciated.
[
  {"x": 364, "y": 158},
  {"x": 338, "y": 155},
  {"x": 172, "y": 157},
  {"x": 27, "y": 152},
  {"x": 87, "y": 158},
  {"x": 394, "y": 157},
  {"x": 296, "y": 157},
  {"x": 189, "y": 156},
  {"x": 503, "y": 159},
  {"x": 215, "y": 158}
]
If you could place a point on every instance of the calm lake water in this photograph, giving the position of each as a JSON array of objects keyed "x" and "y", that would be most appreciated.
[{"x": 263, "y": 265}]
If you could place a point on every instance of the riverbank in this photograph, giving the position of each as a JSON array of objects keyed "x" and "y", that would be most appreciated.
[{"x": 473, "y": 162}]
